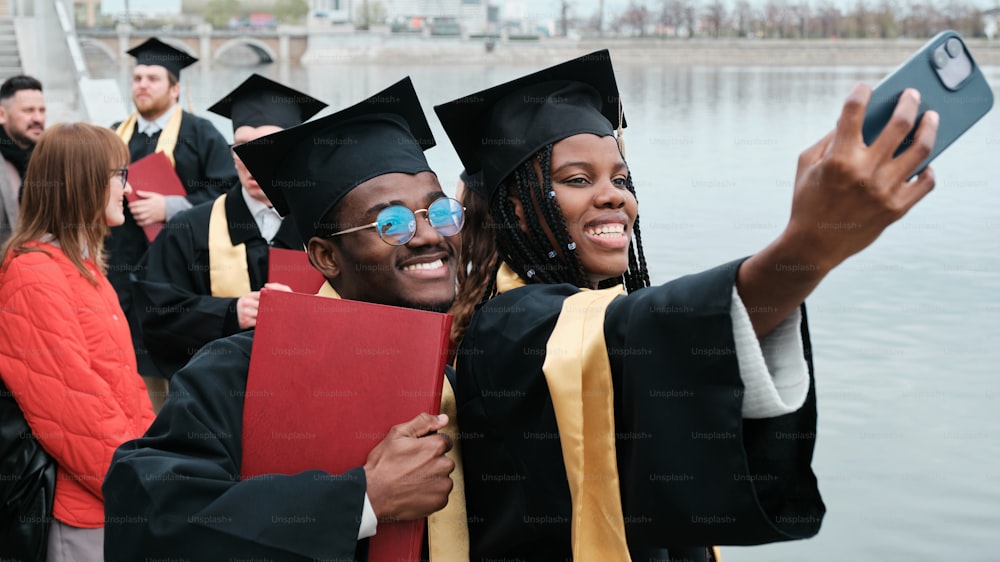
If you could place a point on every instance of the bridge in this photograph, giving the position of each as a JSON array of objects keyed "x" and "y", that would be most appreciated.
[{"x": 283, "y": 45}]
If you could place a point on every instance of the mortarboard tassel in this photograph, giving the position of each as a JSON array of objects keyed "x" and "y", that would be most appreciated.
[{"x": 621, "y": 131}]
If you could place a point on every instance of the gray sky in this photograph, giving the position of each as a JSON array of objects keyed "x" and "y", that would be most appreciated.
[{"x": 544, "y": 9}]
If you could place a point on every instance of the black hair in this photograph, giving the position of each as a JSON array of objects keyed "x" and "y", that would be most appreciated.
[
  {"x": 493, "y": 235},
  {"x": 14, "y": 84},
  {"x": 531, "y": 254}
]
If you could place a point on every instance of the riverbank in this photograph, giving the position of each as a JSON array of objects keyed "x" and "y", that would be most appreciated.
[{"x": 389, "y": 50}]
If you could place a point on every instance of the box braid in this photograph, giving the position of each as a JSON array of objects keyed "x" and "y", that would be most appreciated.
[
  {"x": 533, "y": 257},
  {"x": 637, "y": 275},
  {"x": 501, "y": 235}
]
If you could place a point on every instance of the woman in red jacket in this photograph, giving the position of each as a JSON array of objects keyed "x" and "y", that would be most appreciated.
[{"x": 65, "y": 350}]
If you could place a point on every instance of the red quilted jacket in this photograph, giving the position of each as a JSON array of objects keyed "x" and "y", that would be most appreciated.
[{"x": 66, "y": 355}]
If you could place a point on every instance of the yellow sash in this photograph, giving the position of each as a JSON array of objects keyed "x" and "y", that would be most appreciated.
[
  {"x": 448, "y": 529},
  {"x": 227, "y": 264},
  {"x": 328, "y": 291},
  {"x": 168, "y": 136},
  {"x": 578, "y": 374}
]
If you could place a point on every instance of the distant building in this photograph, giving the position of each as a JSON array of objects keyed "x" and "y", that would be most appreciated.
[
  {"x": 88, "y": 9},
  {"x": 141, "y": 8},
  {"x": 335, "y": 11},
  {"x": 256, "y": 21},
  {"x": 414, "y": 15},
  {"x": 137, "y": 10},
  {"x": 991, "y": 23}
]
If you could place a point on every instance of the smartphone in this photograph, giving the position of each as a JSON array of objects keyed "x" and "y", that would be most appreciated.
[{"x": 949, "y": 82}]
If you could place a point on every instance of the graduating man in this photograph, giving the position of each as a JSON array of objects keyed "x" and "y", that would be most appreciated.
[
  {"x": 201, "y": 277},
  {"x": 22, "y": 120},
  {"x": 177, "y": 492},
  {"x": 197, "y": 149}
]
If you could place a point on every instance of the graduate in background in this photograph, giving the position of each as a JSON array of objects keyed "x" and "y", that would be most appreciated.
[
  {"x": 197, "y": 149},
  {"x": 177, "y": 491},
  {"x": 200, "y": 279},
  {"x": 604, "y": 419}
]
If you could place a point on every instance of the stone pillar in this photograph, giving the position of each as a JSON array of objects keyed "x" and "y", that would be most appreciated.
[
  {"x": 284, "y": 44},
  {"x": 124, "y": 31},
  {"x": 205, "y": 44}
]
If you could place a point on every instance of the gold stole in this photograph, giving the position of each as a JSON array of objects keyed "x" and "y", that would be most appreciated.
[
  {"x": 578, "y": 374},
  {"x": 168, "y": 136},
  {"x": 227, "y": 264},
  {"x": 328, "y": 291},
  {"x": 447, "y": 529}
]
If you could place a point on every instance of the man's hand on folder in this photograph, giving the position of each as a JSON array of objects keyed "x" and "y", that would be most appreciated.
[
  {"x": 149, "y": 208},
  {"x": 407, "y": 472},
  {"x": 248, "y": 305}
]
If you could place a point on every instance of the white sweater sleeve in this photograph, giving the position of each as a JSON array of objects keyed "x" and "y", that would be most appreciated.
[{"x": 773, "y": 369}]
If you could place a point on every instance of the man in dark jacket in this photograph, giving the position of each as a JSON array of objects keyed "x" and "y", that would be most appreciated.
[{"x": 22, "y": 120}]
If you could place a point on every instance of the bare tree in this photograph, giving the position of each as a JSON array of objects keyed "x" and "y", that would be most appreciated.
[
  {"x": 964, "y": 18},
  {"x": 803, "y": 15},
  {"x": 774, "y": 14},
  {"x": 715, "y": 18},
  {"x": 862, "y": 20},
  {"x": 885, "y": 19},
  {"x": 691, "y": 19},
  {"x": 673, "y": 15},
  {"x": 636, "y": 16},
  {"x": 744, "y": 19},
  {"x": 564, "y": 17},
  {"x": 600, "y": 19}
]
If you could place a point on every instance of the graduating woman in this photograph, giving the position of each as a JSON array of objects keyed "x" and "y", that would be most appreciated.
[
  {"x": 65, "y": 350},
  {"x": 604, "y": 419}
]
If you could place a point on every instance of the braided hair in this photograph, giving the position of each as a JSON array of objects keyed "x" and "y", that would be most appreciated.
[{"x": 528, "y": 250}]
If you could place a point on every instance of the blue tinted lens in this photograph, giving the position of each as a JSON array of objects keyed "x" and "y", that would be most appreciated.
[
  {"x": 446, "y": 216},
  {"x": 396, "y": 225}
]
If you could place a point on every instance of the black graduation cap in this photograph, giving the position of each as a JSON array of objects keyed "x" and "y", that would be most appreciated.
[
  {"x": 158, "y": 53},
  {"x": 307, "y": 169},
  {"x": 473, "y": 181},
  {"x": 260, "y": 101},
  {"x": 497, "y": 129}
]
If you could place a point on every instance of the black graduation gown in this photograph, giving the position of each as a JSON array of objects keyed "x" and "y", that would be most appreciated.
[
  {"x": 692, "y": 471},
  {"x": 173, "y": 296},
  {"x": 176, "y": 493},
  {"x": 204, "y": 164}
]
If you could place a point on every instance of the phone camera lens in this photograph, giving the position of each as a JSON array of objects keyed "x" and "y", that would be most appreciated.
[
  {"x": 953, "y": 46},
  {"x": 940, "y": 57}
]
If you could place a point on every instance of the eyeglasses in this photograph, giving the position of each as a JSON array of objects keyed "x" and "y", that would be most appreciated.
[
  {"x": 122, "y": 174},
  {"x": 397, "y": 225}
]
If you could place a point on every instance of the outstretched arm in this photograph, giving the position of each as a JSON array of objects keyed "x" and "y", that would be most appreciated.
[{"x": 846, "y": 194}]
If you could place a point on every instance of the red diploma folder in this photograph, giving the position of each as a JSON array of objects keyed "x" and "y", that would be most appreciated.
[
  {"x": 154, "y": 173},
  {"x": 292, "y": 268},
  {"x": 328, "y": 379}
]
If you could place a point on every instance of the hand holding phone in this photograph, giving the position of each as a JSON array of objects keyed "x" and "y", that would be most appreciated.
[{"x": 949, "y": 82}]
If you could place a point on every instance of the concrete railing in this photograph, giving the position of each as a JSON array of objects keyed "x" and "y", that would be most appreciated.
[{"x": 50, "y": 51}]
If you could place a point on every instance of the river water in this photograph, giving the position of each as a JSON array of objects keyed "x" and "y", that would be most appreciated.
[{"x": 908, "y": 447}]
